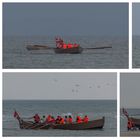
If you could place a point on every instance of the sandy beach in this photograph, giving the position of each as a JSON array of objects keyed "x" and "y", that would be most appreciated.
[{"x": 130, "y": 134}]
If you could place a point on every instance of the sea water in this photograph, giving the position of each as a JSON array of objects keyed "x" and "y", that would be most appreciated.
[
  {"x": 15, "y": 54},
  {"x": 95, "y": 109},
  {"x": 136, "y": 52}
]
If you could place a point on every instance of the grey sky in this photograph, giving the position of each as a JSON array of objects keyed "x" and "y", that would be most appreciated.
[
  {"x": 130, "y": 90},
  {"x": 136, "y": 18},
  {"x": 102, "y": 19},
  {"x": 59, "y": 86}
]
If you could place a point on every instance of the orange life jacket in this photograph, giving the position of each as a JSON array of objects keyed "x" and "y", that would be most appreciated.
[
  {"x": 70, "y": 45},
  {"x": 48, "y": 119},
  {"x": 66, "y": 120},
  {"x": 79, "y": 120},
  {"x": 62, "y": 121},
  {"x": 64, "y": 46},
  {"x": 52, "y": 120},
  {"x": 75, "y": 45},
  {"x": 129, "y": 125},
  {"x": 70, "y": 120},
  {"x": 86, "y": 119}
]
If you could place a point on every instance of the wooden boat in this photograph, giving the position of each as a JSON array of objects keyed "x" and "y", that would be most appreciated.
[
  {"x": 94, "y": 124},
  {"x": 36, "y": 47},
  {"x": 74, "y": 50}
]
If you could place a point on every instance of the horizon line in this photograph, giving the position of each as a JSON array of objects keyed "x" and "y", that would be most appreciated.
[{"x": 52, "y": 99}]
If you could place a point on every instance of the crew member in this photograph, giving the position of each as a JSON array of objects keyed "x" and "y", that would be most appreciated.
[
  {"x": 70, "y": 119},
  {"x": 85, "y": 119},
  {"x": 48, "y": 119},
  {"x": 52, "y": 120},
  {"x": 62, "y": 121},
  {"x": 129, "y": 125},
  {"x": 36, "y": 118},
  {"x": 69, "y": 45},
  {"x": 64, "y": 46},
  {"x": 66, "y": 119},
  {"x": 43, "y": 118},
  {"x": 78, "y": 119},
  {"x": 57, "y": 121},
  {"x": 75, "y": 45}
]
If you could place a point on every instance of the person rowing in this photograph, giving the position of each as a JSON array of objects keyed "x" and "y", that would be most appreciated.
[
  {"x": 57, "y": 119},
  {"x": 43, "y": 119},
  {"x": 70, "y": 120},
  {"x": 52, "y": 120},
  {"x": 66, "y": 119},
  {"x": 36, "y": 118},
  {"x": 85, "y": 119},
  {"x": 130, "y": 125},
  {"x": 79, "y": 119},
  {"x": 64, "y": 46},
  {"x": 75, "y": 45},
  {"x": 70, "y": 45},
  {"x": 62, "y": 121},
  {"x": 46, "y": 121},
  {"x": 48, "y": 118},
  {"x": 59, "y": 42}
]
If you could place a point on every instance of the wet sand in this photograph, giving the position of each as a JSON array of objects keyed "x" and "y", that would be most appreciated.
[{"x": 130, "y": 134}]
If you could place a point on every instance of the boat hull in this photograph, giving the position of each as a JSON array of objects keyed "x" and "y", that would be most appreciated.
[
  {"x": 75, "y": 50},
  {"x": 136, "y": 122},
  {"x": 95, "y": 124},
  {"x": 32, "y": 125}
]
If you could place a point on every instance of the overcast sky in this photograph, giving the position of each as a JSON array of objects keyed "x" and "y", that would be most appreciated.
[
  {"x": 102, "y": 19},
  {"x": 136, "y": 18},
  {"x": 59, "y": 86},
  {"x": 130, "y": 90}
]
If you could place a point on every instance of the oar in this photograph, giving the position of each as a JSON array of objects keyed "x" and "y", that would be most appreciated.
[
  {"x": 103, "y": 47},
  {"x": 49, "y": 48},
  {"x": 38, "y": 47},
  {"x": 33, "y": 126},
  {"x": 28, "y": 126},
  {"x": 45, "y": 124}
]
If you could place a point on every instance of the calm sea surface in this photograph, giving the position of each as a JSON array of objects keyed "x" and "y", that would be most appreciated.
[
  {"x": 136, "y": 51},
  {"x": 15, "y": 54},
  {"x": 93, "y": 108},
  {"x": 123, "y": 120}
]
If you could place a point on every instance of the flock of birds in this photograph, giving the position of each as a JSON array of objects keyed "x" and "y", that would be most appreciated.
[{"x": 76, "y": 87}]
